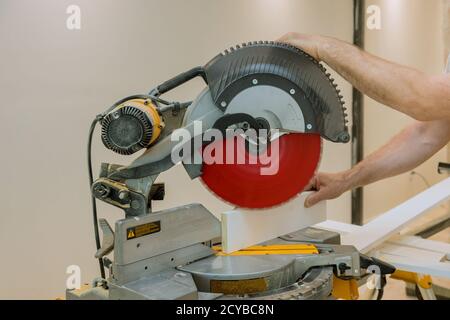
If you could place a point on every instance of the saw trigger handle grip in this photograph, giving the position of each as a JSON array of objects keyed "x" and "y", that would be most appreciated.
[{"x": 181, "y": 79}]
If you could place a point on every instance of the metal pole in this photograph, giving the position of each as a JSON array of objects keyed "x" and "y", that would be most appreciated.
[{"x": 358, "y": 112}]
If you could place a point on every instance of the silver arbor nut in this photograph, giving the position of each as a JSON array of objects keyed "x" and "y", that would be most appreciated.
[{"x": 123, "y": 195}]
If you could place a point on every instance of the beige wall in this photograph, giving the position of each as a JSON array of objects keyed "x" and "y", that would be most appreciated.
[
  {"x": 54, "y": 81},
  {"x": 411, "y": 35},
  {"x": 446, "y": 26}
]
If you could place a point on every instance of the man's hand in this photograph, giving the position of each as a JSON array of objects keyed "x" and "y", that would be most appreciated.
[
  {"x": 328, "y": 186},
  {"x": 412, "y": 92},
  {"x": 308, "y": 43}
]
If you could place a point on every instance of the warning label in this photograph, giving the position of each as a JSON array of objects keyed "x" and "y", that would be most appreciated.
[{"x": 143, "y": 230}]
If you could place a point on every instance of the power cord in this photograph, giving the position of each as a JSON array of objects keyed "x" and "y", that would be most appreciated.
[{"x": 91, "y": 181}]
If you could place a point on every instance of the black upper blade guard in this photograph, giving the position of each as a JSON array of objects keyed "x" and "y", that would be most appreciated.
[{"x": 285, "y": 67}]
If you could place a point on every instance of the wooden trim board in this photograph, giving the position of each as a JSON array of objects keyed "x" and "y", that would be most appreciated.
[
  {"x": 416, "y": 242},
  {"x": 244, "y": 228},
  {"x": 405, "y": 252},
  {"x": 391, "y": 222},
  {"x": 432, "y": 268},
  {"x": 404, "y": 241}
]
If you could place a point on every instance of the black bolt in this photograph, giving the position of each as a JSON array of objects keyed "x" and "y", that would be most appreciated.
[
  {"x": 343, "y": 267},
  {"x": 101, "y": 191}
]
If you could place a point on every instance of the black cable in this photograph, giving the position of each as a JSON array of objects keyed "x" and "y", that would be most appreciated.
[
  {"x": 94, "y": 204},
  {"x": 159, "y": 100},
  {"x": 136, "y": 96},
  {"x": 154, "y": 98}
]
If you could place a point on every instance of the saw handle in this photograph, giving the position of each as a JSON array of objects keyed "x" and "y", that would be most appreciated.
[{"x": 181, "y": 79}]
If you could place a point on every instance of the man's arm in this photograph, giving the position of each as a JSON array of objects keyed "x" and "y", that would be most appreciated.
[
  {"x": 408, "y": 149},
  {"x": 407, "y": 90}
]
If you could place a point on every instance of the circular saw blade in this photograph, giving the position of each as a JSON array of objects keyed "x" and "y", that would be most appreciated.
[{"x": 244, "y": 185}]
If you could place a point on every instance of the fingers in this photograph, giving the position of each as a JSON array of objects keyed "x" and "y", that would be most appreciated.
[
  {"x": 317, "y": 196},
  {"x": 305, "y": 42},
  {"x": 313, "y": 199},
  {"x": 286, "y": 37},
  {"x": 283, "y": 38},
  {"x": 312, "y": 185}
]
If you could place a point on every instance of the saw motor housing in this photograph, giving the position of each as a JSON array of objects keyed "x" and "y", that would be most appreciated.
[{"x": 131, "y": 126}]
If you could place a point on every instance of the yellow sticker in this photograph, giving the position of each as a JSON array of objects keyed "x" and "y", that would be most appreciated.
[{"x": 143, "y": 230}]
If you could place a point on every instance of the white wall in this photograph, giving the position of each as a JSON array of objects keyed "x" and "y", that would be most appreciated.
[
  {"x": 54, "y": 81},
  {"x": 411, "y": 35}
]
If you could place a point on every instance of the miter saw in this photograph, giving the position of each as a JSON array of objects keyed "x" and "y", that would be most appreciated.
[{"x": 261, "y": 94}]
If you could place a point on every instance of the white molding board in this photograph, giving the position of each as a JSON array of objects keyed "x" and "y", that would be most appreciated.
[
  {"x": 419, "y": 260},
  {"x": 420, "y": 243},
  {"x": 432, "y": 268},
  {"x": 339, "y": 227},
  {"x": 391, "y": 222},
  {"x": 244, "y": 228},
  {"x": 406, "y": 253}
]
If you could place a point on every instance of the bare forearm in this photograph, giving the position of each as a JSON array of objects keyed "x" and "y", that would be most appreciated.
[
  {"x": 410, "y": 148},
  {"x": 407, "y": 90}
]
